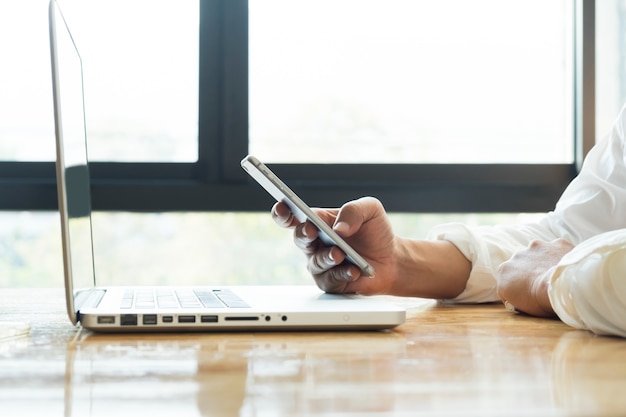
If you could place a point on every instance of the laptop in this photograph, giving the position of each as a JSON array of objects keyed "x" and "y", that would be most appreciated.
[{"x": 159, "y": 308}]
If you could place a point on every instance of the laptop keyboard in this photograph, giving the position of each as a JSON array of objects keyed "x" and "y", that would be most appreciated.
[{"x": 151, "y": 298}]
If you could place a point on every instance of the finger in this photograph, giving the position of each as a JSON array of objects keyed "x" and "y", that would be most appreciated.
[
  {"x": 328, "y": 283},
  {"x": 283, "y": 216},
  {"x": 354, "y": 214},
  {"x": 324, "y": 258},
  {"x": 563, "y": 245},
  {"x": 340, "y": 279},
  {"x": 328, "y": 215},
  {"x": 503, "y": 268},
  {"x": 305, "y": 237}
]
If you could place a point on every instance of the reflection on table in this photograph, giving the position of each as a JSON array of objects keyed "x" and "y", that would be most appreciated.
[{"x": 446, "y": 360}]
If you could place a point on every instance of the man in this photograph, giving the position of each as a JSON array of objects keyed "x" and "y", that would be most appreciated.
[{"x": 571, "y": 264}]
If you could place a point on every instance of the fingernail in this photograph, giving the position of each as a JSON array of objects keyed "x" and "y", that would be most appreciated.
[
  {"x": 341, "y": 227},
  {"x": 351, "y": 275}
]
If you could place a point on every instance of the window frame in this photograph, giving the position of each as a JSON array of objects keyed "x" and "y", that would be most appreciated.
[{"x": 216, "y": 182}]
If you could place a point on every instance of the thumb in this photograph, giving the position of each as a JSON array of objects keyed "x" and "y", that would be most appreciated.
[{"x": 354, "y": 214}]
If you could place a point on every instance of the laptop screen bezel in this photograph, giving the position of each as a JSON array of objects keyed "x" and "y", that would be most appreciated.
[{"x": 74, "y": 297}]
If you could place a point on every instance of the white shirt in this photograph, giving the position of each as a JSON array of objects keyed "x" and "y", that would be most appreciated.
[{"x": 588, "y": 286}]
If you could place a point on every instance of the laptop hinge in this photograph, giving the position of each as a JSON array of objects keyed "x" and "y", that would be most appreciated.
[{"x": 88, "y": 299}]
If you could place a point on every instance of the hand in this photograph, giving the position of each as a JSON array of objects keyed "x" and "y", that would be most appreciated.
[
  {"x": 364, "y": 225},
  {"x": 523, "y": 279}
]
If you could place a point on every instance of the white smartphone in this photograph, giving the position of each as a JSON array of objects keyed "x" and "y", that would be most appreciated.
[{"x": 273, "y": 185}]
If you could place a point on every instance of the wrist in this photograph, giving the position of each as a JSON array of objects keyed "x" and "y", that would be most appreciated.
[
  {"x": 428, "y": 269},
  {"x": 540, "y": 294}
]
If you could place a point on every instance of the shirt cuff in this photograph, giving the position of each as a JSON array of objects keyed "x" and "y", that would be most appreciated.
[{"x": 481, "y": 286}]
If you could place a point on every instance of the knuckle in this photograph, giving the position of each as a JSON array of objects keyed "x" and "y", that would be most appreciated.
[
  {"x": 327, "y": 284},
  {"x": 320, "y": 262},
  {"x": 503, "y": 267}
]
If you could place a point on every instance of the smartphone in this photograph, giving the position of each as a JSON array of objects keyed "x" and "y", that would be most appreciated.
[{"x": 273, "y": 185}]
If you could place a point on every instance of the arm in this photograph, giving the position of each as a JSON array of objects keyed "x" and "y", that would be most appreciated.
[
  {"x": 584, "y": 287},
  {"x": 405, "y": 267},
  {"x": 523, "y": 280}
]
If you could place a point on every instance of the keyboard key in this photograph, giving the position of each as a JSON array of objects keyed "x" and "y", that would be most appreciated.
[
  {"x": 208, "y": 299},
  {"x": 186, "y": 298},
  {"x": 230, "y": 299}
]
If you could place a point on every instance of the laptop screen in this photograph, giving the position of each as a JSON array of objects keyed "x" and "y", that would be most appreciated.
[{"x": 72, "y": 166}]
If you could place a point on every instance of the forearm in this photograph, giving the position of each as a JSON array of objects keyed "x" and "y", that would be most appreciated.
[
  {"x": 487, "y": 248},
  {"x": 429, "y": 269}
]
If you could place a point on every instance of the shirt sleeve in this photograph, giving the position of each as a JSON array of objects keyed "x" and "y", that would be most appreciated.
[
  {"x": 587, "y": 288},
  {"x": 486, "y": 248},
  {"x": 594, "y": 203}
]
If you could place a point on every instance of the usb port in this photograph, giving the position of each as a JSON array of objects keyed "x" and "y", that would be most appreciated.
[
  {"x": 208, "y": 319},
  {"x": 149, "y": 319},
  {"x": 128, "y": 319},
  {"x": 106, "y": 319},
  {"x": 186, "y": 319},
  {"x": 168, "y": 319}
]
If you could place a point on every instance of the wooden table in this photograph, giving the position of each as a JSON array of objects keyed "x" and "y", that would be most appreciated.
[{"x": 445, "y": 361}]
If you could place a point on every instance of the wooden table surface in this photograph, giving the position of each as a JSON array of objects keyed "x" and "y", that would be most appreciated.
[{"x": 444, "y": 361}]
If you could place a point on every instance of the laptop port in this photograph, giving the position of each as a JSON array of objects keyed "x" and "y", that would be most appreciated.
[
  {"x": 128, "y": 319},
  {"x": 208, "y": 319},
  {"x": 168, "y": 319},
  {"x": 186, "y": 319},
  {"x": 149, "y": 319},
  {"x": 106, "y": 319},
  {"x": 242, "y": 318}
]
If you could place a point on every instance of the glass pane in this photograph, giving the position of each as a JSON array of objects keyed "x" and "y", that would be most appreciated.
[
  {"x": 30, "y": 250},
  {"x": 610, "y": 63},
  {"x": 180, "y": 248},
  {"x": 26, "y": 123},
  {"x": 411, "y": 81},
  {"x": 141, "y": 77}
]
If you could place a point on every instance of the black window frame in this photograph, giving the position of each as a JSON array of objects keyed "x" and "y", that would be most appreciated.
[{"x": 216, "y": 182}]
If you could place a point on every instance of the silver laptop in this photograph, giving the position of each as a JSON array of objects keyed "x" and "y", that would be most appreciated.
[{"x": 119, "y": 309}]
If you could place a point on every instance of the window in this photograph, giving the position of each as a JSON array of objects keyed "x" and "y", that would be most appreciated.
[
  {"x": 409, "y": 81},
  {"x": 166, "y": 178},
  {"x": 610, "y": 63},
  {"x": 141, "y": 79},
  {"x": 25, "y": 91},
  {"x": 141, "y": 85},
  {"x": 453, "y": 163}
]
